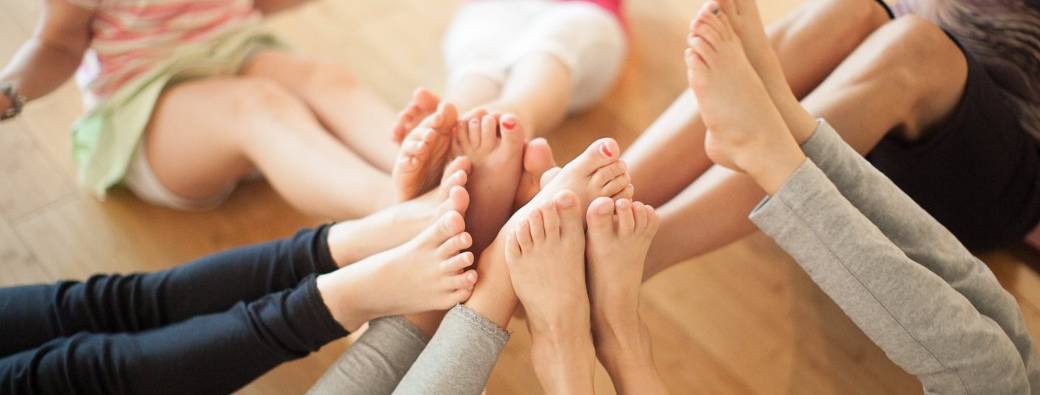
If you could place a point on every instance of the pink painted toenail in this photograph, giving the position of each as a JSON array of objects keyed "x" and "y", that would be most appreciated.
[
  {"x": 606, "y": 150},
  {"x": 509, "y": 123}
]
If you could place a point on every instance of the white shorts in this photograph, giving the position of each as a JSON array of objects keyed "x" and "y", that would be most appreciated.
[
  {"x": 141, "y": 180},
  {"x": 488, "y": 37}
]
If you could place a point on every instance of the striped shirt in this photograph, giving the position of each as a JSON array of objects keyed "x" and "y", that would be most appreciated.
[{"x": 129, "y": 37}]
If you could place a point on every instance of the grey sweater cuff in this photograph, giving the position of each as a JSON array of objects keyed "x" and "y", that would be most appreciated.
[{"x": 774, "y": 211}]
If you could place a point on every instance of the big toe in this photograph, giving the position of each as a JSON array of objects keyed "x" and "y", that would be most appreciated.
[
  {"x": 538, "y": 157},
  {"x": 446, "y": 227},
  {"x": 569, "y": 209},
  {"x": 512, "y": 132},
  {"x": 600, "y": 153},
  {"x": 600, "y": 217}
]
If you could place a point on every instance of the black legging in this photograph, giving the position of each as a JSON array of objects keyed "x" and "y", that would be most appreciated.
[{"x": 210, "y": 326}]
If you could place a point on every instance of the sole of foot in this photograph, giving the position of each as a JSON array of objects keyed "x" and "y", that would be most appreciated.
[
  {"x": 425, "y": 150},
  {"x": 423, "y": 104},
  {"x": 745, "y": 130},
  {"x": 495, "y": 146},
  {"x": 426, "y": 273}
]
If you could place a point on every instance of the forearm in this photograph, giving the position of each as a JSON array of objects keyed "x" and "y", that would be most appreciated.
[
  {"x": 39, "y": 67},
  {"x": 919, "y": 320}
]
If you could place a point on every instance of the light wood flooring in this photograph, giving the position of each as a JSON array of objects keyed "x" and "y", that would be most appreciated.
[{"x": 743, "y": 320}]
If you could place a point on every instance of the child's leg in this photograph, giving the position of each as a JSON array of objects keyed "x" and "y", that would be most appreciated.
[
  {"x": 215, "y": 353},
  {"x": 204, "y": 135},
  {"x": 341, "y": 103},
  {"x": 809, "y": 42},
  {"x": 535, "y": 59}
]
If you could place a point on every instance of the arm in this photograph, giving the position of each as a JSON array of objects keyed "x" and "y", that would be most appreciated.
[
  {"x": 923, "y": 239},
  {"x": 52, "y": 54},
  {"x": 922, "y": 323}
]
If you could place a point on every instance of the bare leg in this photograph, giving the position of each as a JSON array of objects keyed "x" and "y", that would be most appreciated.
[
  {"x": 471, "y": 91},
  {"x": 810, "y": 43},
  {"x": 206, "y": 134},
  {"x": 353, "y": 113},
  {"x": 879, "y": 88}
]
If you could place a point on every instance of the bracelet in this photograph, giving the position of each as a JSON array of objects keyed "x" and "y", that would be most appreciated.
[{"x": 17, "y": 101}]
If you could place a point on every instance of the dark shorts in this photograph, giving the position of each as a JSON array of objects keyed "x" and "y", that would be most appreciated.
[{"x": 978, "y": 173}]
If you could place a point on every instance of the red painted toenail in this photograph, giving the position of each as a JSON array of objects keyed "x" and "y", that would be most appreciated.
[
  {"x": 606, "y": 150},
  {"x": 509, "y": 123}
]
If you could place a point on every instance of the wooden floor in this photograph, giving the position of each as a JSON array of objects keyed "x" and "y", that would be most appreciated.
[{"x": 743, "y": 320}]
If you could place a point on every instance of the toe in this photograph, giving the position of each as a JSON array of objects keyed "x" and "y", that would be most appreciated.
[
  {"x": 447, "y": 226},
  {"x": 600, "y": 216},
  {"x": 537, "y": 226},
  {"x": 512, "y": 133},
  {"x": 653, "y": 221},
  {"x": 640, "y": 214},
  {"x": 615, "y": 186},
  {"x": 627, "y": 193},
  {"x": 473, "y": 126},
  {"x": 605, "y": 174},
  {"x": 424, "y": 100},
  {"x": 626, "y": 218},
  {"x": 464, "y": 280},
  {"x": 457, "y": 171},
  {"x": 598, "y": 154},
  {"x": 456, "y": 263},
  {"x": 569, "y": 209},
  {"x": 455, "y": 244},
  {"x": 549, "y": 175},
  {"x": 550, "y": 221},
  {"x": 457, "y": 201},
  {"x": 513, "y": 249},
  {"x": 538, "y": 157},
  {"x": 523, "y": 236},
  {"x": 489, "y": 132}
]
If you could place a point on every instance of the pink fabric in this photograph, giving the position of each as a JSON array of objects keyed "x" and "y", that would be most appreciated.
[{"x": 129, "y": 37}]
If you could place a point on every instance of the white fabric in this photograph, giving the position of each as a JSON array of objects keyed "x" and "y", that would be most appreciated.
[
  {"x": 488, "y": 37},
  {"x": 141, "y": 180}
]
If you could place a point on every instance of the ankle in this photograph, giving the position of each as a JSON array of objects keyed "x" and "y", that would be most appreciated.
[
  {"x": 771, "y": 162},
  {"x": 337, "y": 291}
]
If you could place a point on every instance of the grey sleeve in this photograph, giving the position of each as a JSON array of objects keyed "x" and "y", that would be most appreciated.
[
  {"x": 376, "y": 362},
  {"x": 922, "y": 238},
  {"x": 459, "y": 358},
  {"x": 921, "y": 323}
]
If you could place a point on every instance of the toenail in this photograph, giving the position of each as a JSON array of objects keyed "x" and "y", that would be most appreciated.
[
  {"x": 604, "y": 209},
  {"x": 623, "y": 203},
  {"x": 606, "y": 150},
  {"x": 509, "y": 123},
  {"x": 715, "y": 9}
]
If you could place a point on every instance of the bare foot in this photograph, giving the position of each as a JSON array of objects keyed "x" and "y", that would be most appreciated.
[
  {"x": 746, "y": 22},
  {"x": 351, "y": 241},
  {"x": 617, "y": 241},
  {"x": 495, "y": 145},
  {"x": 426, "y": 273},
  {"x": 423, "y": 104},
  {"x": 424, "y": 152},
  {"x": 545, "y": 257},
  {"x": 595, "y": 172},
  {"x": 538, "y": 159},
  {"x": 745, "y": 131}
]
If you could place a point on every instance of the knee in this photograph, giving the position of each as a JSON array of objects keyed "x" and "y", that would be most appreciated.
[
  {"x": 915, "y": 55},
  {"x": 257, "y": 98},
  {"x": 322, "y": 75}
]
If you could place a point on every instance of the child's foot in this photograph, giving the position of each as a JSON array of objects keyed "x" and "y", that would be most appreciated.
[
  {"x": 426, "y": 273},
  {"x": 745, "y": 130},
  {"x": 545, "y": 255},
  {"x": 495, "y": 146},
  {"x": 617, "y": 241},
  {"x": 422, "y": 105},
  {"x": 420, "y": 163},
  {"x": 744, "y": 18},
  {"x": 538, "y": 159},
  {"x": 594, "y": 173},
  {"x": 351, "y": 241}
]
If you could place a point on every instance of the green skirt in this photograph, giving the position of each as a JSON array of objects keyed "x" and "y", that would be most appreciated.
[{"x": 105, "y": 139}]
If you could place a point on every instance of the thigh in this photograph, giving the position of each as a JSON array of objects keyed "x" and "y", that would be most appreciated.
[{"x": 201, "y": 120}]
